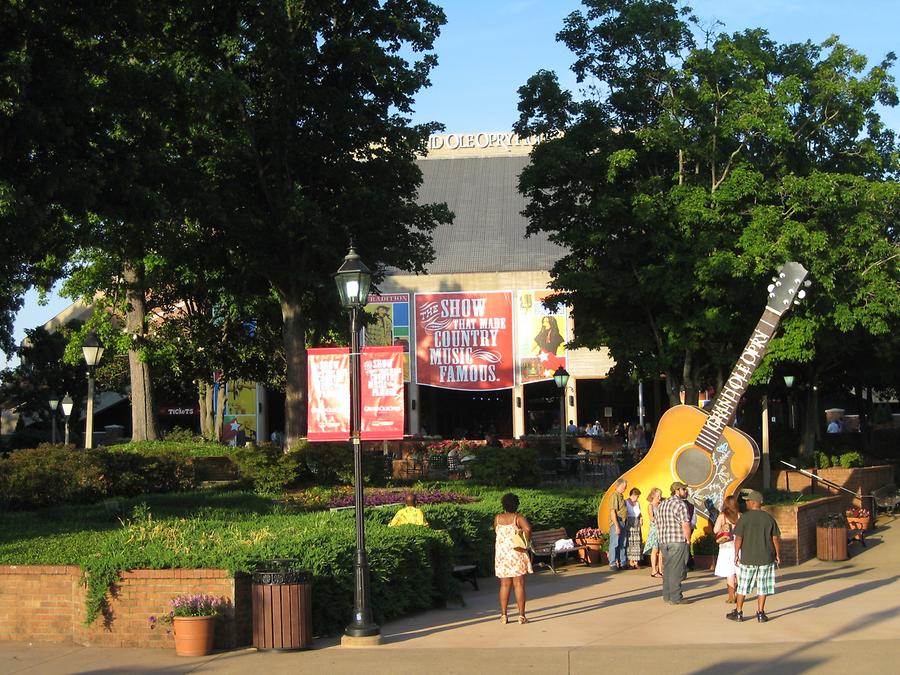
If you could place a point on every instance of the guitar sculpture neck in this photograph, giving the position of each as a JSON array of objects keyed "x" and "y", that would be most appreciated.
[{"x": 782, "y": 294}]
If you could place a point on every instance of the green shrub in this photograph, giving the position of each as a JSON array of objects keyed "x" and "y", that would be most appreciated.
[
  {"x": 705, "y": 545},
  {"x": 824, "y": 460},
  {"x": 182, "y": 435},
  {"x": 514, "y": 467},
  {"x": 330, "y": 463},
  {"x": 849, "y": 460},
  {"x": 54, "y": 475},
  {"x": 190, "y": 447},
  {"x": 267, "y": 468}
]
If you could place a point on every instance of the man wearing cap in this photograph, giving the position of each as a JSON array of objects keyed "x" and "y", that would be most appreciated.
[
  {"x": 673, "y": 526},
  {"x": 757, "y": 550}
]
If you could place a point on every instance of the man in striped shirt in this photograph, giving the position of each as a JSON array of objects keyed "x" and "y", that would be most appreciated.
[{"x": 673, "y": 525}]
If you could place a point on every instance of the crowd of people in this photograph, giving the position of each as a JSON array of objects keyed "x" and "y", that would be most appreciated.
[{"x": 749, "y": 545}]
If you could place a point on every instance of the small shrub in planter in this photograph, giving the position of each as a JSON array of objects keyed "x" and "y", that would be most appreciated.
[{"x": 506, "y": 467}]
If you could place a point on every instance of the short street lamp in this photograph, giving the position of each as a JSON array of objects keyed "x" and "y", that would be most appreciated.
[
  {"x": 92, "y": 353},
  {"x": 66, "y": 404},
  {"x": 353, "y": 280},
  {"x": 53, "y": 402},
  {"x": 789, "y": 383},
  {"x": 561, "y": 377}
]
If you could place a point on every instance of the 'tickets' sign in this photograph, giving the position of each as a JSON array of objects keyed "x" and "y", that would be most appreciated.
[
  {"x": 381, "y": 393},
  {"x": 328, "y": 387},
  {"x": 464, "y": 340}
]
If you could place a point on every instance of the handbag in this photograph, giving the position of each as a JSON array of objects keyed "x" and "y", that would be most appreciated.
[
  {"x": 519, "y": 540},
  {"x": 724, "y": 537}
]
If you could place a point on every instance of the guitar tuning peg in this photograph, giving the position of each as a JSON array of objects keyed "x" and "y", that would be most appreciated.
[
  {"x": 807, "y": 283},
  {"x": 801, "y": 294},
  {"x": 796, "y": 302},
  {"x": 771, "y": 288},
  {"x": 774, "y": 279}
]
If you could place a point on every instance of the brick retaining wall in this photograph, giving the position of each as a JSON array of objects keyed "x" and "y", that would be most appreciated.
[
  {"x": 797, "y": 523},
  {"x": 47, "y": 603}
]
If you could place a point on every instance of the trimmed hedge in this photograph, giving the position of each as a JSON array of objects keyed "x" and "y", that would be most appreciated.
[
  {"x": 410, "y": 566},
  {"x": 52, "y": 475}
]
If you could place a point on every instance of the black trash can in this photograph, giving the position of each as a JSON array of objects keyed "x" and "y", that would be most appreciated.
[{"x": 282, "y": 605}]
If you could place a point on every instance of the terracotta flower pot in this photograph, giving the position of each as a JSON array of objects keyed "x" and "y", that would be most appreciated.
[
  {"x": 194, "y": 635},
  {"x": 594, "y": 553}
]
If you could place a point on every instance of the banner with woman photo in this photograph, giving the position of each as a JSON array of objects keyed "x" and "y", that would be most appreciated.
[{"x": 541, "y": 336}]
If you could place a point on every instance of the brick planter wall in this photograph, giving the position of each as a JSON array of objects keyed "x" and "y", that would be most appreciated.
[
  {"x": 47, "y": 603},
  {"x": 862, "y": 480},
  {"x": 797, "y": 523}
]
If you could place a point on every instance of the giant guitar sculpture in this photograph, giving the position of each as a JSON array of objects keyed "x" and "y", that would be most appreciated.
[{"x": 699, "y": 448}]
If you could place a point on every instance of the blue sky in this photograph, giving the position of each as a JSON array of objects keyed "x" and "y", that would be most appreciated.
[{"x": 488, "y": 50}]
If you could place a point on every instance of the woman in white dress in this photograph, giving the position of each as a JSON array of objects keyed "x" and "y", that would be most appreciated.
[{"x": 723, "y": 529}]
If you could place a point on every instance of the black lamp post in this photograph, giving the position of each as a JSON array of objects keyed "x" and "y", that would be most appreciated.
[
  {"x": 561, "y": 377},
  {"x": 67, "y": 404},
  {"x": 353, "y": 279},
  {"x": 92, "y": 353},
  {"x": 789, "y": 383},
  {"x": 53, "y": 402}
]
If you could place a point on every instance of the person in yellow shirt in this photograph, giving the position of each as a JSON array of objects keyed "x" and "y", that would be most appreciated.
[{"x": 409, "y": 514}]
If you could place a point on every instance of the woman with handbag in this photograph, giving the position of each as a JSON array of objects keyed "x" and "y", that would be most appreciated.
[
  {"x": 511, "y": 560},
  {"x": 723, "y": 530}
]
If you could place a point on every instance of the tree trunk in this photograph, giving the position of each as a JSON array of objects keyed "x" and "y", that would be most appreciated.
[
  {"x": 810, "y": 423},
  {"x": 294, "y": 341},
  {"x": 205, "y": 401},
  {"x": 143, "y": 402},
  {"x": 219, "y": 418}
]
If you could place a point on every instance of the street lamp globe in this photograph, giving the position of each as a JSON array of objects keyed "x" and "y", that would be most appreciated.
[
  {"x": 561, "y": 377},
  {"x": 92, "y": 350},
  {"x": 789, "y": 381},
  {"x": 353, "y": 280},
  {"x": 67, "y": 404},
  {"x": 53, "y": 402}
]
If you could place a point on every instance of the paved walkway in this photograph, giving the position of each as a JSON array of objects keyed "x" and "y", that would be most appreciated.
[{"x": 825, "y": 618}]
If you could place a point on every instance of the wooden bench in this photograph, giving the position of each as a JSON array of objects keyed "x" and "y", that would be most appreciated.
[{"x": 542, "y": 546}]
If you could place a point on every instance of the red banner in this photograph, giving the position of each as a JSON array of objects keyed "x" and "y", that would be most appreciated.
[
  {"x": 328, "y": 378},
  {"x": 464, "y": 340},
  {"x": 381, "y": 393}
]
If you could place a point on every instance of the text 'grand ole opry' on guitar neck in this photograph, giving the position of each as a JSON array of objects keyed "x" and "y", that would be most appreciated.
[{"x": 700, "y": 449}]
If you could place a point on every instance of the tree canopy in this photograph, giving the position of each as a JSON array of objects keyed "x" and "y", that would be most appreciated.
[{"x": 689, "y": 167}]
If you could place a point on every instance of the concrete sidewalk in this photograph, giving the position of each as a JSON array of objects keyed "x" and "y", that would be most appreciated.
[{"x": 825, "y": 618}]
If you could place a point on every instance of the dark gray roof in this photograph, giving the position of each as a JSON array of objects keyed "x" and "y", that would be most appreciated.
[{"x": 488, "y": 232}]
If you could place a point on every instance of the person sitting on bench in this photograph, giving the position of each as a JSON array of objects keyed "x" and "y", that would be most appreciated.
[{"x": 409, "y": 514}]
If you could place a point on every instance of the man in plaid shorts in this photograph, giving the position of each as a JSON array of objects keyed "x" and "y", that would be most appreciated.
[{"x": 757, "y": 550}]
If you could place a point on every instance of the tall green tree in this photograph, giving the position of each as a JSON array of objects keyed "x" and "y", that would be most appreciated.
[
  {"x": 303, "y": 129},
  {"x": 690, "y": 167},
  {"x": 48, "y": 123}
]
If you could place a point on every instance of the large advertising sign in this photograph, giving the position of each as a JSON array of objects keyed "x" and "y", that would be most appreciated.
[
  {"x": 381, "y": 393},
  {"x": 389, "y": 324},
  {"x": 464, "y": 340},
  {"x": 328, "y": 388},
  {"x": 541, "y": 337}
]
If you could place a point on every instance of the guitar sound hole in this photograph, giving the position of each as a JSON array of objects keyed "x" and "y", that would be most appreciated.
[{"x": 693, "y": 466}]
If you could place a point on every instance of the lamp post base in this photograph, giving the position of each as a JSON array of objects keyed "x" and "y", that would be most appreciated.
[{"x": 361, "y": 641}]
